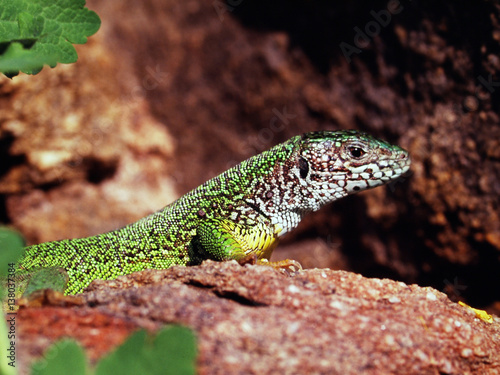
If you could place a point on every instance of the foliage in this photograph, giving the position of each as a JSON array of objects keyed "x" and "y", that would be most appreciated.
[
  {"x": 38, "y": 32},
  {"x": 11, "y": 247},
  {"x": 171, "y": 351},
  {"x": 64, "y": 357}
]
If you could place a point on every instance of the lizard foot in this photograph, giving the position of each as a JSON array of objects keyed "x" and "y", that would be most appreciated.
[
  {"x": 288, "y": 266},
  {"x": 49, "y": 297}
]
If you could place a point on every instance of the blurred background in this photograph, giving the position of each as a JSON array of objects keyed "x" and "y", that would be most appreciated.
[{"x": 168, "y": 94}]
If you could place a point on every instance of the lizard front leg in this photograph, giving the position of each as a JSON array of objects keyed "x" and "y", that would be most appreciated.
[{"x": 222, "y": 239}]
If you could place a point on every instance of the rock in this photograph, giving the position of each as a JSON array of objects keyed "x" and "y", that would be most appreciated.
[
  {"x": 171, "y": 94},
  {"x": 255, "y": 319}
]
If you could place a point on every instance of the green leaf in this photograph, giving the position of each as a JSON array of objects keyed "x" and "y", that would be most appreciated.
[
  {"x": 7, "y": 346},
  {"x": 128, "y": 358},
  {"x": 17, "y": 58},
  {"x": 172, "y": 351},
  {"x": 55, "y": 278},
  {"x": 11, "y": 249},
  {"x": 38, "y": 32},
  {"x": 62, "y": 358},
  {"x": 175, "y": 348}
]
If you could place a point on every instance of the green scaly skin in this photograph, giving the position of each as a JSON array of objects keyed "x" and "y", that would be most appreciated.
[{"x": 238, "y": 214}]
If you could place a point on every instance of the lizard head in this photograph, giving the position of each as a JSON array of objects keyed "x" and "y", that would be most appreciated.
[{"x": 333, "y": 164}]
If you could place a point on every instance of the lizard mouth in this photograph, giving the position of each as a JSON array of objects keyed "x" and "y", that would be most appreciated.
[{"x": 394, "y": 167}]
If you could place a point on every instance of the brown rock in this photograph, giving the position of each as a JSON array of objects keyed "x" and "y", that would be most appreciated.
[
  {"x": 254, "y": 319},
  {"x": 167, "y": 95}
]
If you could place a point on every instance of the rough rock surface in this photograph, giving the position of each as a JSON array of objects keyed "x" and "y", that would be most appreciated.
[
  {"x": 256, "y": 320},
  {"x": 167, "y": 95}
]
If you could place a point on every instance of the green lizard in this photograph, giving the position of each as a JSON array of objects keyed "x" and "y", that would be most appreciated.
[{"x": 239, "y": 214}]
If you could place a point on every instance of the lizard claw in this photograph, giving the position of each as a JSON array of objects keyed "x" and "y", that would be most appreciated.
[{"x": 288, "y": 266}]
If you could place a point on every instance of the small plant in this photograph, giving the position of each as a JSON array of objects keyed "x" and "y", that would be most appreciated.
[
  {"x": 11, "y": 248},
  {"x": 171, "y": 351},
  {"x": 64, "y": 357},
  {"x": 34, "y": 33}
]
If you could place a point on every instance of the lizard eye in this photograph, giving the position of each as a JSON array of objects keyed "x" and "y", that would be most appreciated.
[
  {"x": 303, "y": 167},
  {"x": 356, "y": 152}
]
